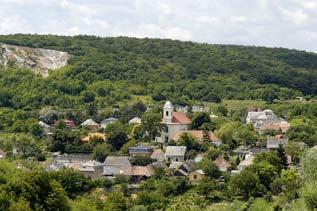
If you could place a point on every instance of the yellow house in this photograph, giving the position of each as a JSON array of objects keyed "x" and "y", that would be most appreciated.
[
  {"x": 197, "y": 175},
  {"x": 91, "y": 136}
]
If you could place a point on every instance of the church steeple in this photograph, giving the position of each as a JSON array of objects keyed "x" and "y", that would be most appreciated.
[{"x": 168, "y": 112}]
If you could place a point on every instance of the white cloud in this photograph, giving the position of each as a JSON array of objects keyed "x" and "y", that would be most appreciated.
[{"x": 297, "y": 16}]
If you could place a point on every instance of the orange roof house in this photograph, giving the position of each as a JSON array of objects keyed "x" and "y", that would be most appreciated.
[{"x": 222, "y": 164}]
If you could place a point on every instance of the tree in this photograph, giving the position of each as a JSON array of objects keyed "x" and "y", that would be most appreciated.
[
  {"x": 295, "y": 150},
  {"x": 209, "y": 168},
  {"x": 309, "y": 193},
  {"x": 266, "y": 172},
  {"x": 101, "y": 151},
  {"x": 116, "y": 202},
  {"x": 151, "y": 123},
  {"x": 246, "y": 184},
  {"x": 117, "y": 135},
  {"x": 188, "y": 140},
  {"x": 199, "y": 119},
  {"x": 281, "y": 154},
  {"x": 141, "y": 160},
  {"x": 309, "y": 165},
  {"x": 289, "y": 183}
]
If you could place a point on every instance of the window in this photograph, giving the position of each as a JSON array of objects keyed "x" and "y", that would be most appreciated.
[
  {"x": 166, "y": 113},
  {"x": 176, "y": 159},
  {"x": 195, "y": 176},
  {"x": 166, "y": 129},
  {"x": 166, "y": 139}
]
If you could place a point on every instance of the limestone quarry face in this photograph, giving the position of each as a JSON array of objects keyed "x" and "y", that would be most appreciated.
[{"x": 40, "y": 61}]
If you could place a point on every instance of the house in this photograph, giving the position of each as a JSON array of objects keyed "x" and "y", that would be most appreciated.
[
  {"x": 199, "y": 136},
  {"x": 108, "y": 121},
  {"x": 174, "y": 121},
  {"x": 222, "y": 164},
  {"x": 261, "y": 116},
  {"x": 183, "y": 109},
  {"x": 181, "y": 169},
  {"x": 196, "y": 176},
  {"x": 284, "y": 126},
  {"x": 47, "y": 130},
  {"x": 175, "y": 170},
  {"x": 68, "y": 123},
  {"x": 273, "y": 142},
  {"x": 241, "y": 151},
  {"x": 137, "y": 173},
  {"x": 261, "y": 128},
  {"x": 196, "y": 108},
  {"x": 158, "y": 155},
  {"x": 2, "y": 154},
  {"x": 265, "y": 121},
  {"x": 135, "y": 120},
  {"x": 92, "y": 169},
  {"x": 92, "y": 136},
  {"x": 246, "y": 162},
  {"x": 90, "y": 124},
  {"x": 113, "y": 165},
  {"x": 140, "y": 150},
  {"x": 175, "y": 153}
]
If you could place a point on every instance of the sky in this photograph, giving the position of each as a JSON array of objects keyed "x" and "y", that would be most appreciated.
[{"x": 274, "y": 23}]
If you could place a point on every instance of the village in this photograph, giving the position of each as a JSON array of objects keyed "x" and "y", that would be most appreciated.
[{"x": 178, "y": 148}]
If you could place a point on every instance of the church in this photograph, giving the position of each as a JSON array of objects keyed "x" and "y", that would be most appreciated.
[{"x": 175, "y": 122}]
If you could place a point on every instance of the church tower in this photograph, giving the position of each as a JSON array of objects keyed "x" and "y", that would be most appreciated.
[{"x": 168, "y": 112}]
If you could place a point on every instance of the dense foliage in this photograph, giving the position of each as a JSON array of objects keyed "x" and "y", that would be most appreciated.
[{"x": 101, "y": 68}]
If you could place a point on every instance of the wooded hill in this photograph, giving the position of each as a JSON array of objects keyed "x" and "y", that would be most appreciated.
[{"x": 105, "y": 71}]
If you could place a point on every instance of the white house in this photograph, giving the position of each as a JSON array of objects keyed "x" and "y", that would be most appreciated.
[
  {"x": 108, "y": 121},
  {"x": 175, "y": 153},
  {"x": 135, "y": 120},
  {"x": 261, "y": 116},
  {"x": 246, "y": 162},
  {"x": 174, "y": 121}
]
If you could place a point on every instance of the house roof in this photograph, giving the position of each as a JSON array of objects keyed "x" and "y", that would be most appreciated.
[
  {"x": 284, "y": 126},
  {"x": 135, "y": 120},
  {"x": 158, "y": 154},
  {"x": 91, "y": 135},
  {"x": 269, "y": 126},
  {"x": 146, "y": 171},
  {"x": 109, "y": 120},
  {"x": 44, "y": 125},
  {"x": 175, "y": 165},
  {"x": 140, "y": 147},
  {"x": 180, "y": 118},
  {"x": 220, "y": 162},
  {"x": 2, "y": 153},
  {"x": 175, "y": 151},
  {"x": 117, "y": 161},
  {"x": 273, "y": 142},
  {"x": 197, "y": 134},
  {"x": 89, "y": 122},
  {"x": 247, "y": 161},
  {"x": 199, "y": 171},
  {"x": 111, "y": 170}
]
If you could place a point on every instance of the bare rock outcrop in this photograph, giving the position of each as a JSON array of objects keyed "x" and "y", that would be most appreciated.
[{"x": 40, "y": 61}]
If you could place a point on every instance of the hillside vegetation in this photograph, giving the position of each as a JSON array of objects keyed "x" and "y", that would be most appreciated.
[{"x": 106, "y": 71}]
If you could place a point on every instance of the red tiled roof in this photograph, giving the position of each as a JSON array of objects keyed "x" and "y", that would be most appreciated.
[
  {"x": 180, "y": 118},
  {"x": 221, "y": 162}
]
